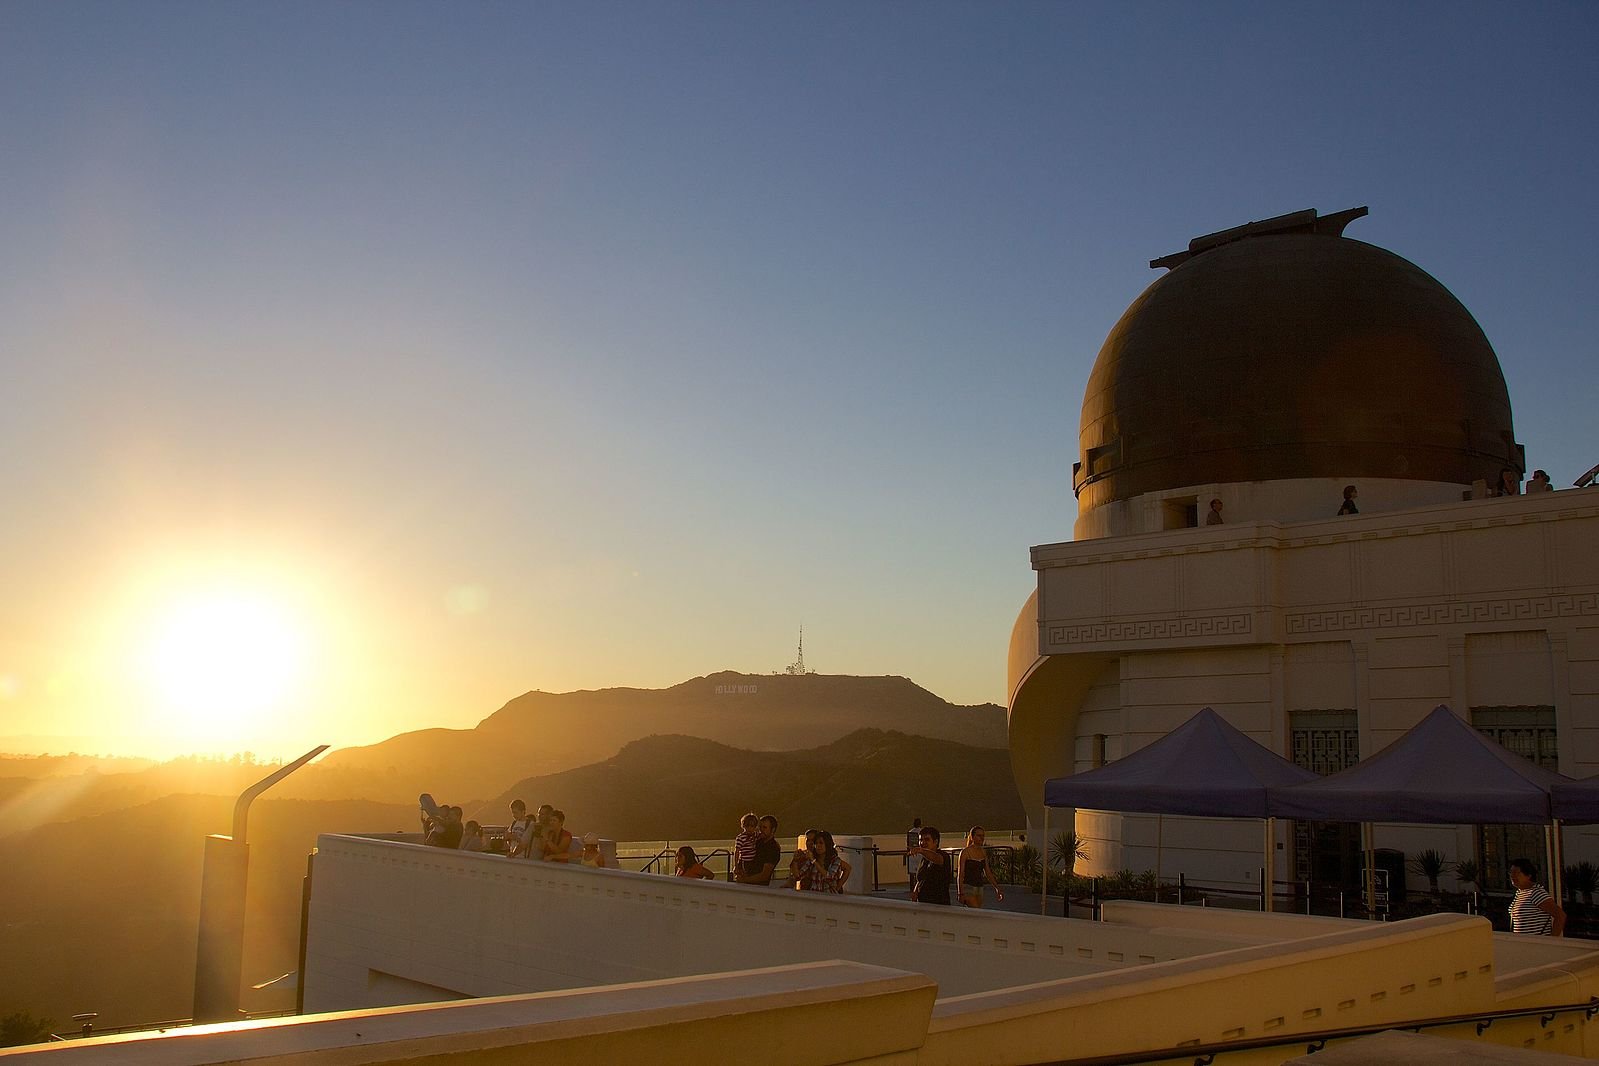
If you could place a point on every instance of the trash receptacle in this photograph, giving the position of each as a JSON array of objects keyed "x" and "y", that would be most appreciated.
[{"x": 861, "y": 854}]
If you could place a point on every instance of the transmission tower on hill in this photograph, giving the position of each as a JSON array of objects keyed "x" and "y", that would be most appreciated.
[{"x": 798, "y": 665}]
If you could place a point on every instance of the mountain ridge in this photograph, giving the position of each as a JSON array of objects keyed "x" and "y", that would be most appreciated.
[{"x": 541, "y": 733}]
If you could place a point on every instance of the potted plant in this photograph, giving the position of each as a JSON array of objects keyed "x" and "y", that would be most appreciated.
[{"x": 1431, "y": 865}]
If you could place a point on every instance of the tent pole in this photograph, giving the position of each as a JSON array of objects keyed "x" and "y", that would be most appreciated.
[
  {"x": 1270, "y": 873},
  {"x": 1557, "y": 873},
  {"x": 1043, "y": 904},
  {"x": 1368, "y": 840},
  {"x": 1160, "y": 830}
]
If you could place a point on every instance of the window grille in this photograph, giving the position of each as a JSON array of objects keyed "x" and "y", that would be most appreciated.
[
  {"x": 1530, "y": 732},
  {"x": 1325, "y": 741}
]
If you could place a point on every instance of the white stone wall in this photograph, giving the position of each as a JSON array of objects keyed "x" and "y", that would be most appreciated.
[
  {"x": 1389, "y": 613},
  {"x": 394, "y": 922}
]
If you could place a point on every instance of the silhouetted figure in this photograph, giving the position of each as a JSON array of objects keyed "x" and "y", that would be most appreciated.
[
  {"x": 1509, "y": 483},
  {"x": 932, "y": 876},
  {"x": 768, "y": 853},
  {"x": 1349, "y": 501},
  {"x": 1539, "y": 483},
  {"x": 1213, "y": 516}
]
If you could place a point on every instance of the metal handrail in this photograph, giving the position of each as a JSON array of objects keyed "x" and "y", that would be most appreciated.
[
  {"x": 1205, "y": 1054},
  {"x": 649, "y": 867}
]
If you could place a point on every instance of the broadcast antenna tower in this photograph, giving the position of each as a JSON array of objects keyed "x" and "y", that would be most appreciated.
[{"x": 798, "y": 666}]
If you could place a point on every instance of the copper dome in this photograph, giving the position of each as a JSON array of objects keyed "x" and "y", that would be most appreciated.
[{"x": 1285, "y": 350}]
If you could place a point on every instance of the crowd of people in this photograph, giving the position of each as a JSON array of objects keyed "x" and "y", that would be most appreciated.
[
  {"x": 543, "y": 837},
  {"x": 756, "y": 856}
]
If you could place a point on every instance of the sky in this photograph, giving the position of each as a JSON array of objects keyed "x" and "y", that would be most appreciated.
[{"x": 365, "y": 365}]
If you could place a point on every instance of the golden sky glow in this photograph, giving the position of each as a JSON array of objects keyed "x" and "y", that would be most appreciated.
[{"x": 360, "y": 374}]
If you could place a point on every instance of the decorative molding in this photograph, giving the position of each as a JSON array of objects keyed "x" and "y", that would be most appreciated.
[
  {"x": 1401, "y": 616},
  {"x": 1368, "y": 526},
  {"x": 1241, "y": 624}
]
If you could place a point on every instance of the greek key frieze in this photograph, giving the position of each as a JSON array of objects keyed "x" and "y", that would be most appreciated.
[
  {"x": 1468, "y": 612},
  {"x": 1220, "y": 625}
]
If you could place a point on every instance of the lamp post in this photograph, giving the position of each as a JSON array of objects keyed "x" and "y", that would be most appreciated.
[{"x": 219, "y": 951}]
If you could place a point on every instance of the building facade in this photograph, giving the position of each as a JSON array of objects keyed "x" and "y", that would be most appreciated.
[{"x": 1275, "y": 366}]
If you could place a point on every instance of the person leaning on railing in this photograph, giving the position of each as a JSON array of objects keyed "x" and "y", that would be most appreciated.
[{"x": 689, "y": 865}]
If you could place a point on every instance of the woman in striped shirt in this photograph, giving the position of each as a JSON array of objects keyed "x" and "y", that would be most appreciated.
[{"x": 1532, "y": 910}]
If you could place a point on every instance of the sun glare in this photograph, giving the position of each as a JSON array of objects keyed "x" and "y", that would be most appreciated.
[{"x": 219, "y": 661}]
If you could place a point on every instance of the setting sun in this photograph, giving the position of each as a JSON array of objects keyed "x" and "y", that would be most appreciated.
[{"x": 217, "y": 660}]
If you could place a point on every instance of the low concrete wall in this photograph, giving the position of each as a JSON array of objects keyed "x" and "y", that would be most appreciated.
[
  {"x": 818, "y": 1014},
  {"x": 1252, "y": 927},
  {"x": 1380, "y": 974},
  {"x": 393, "y": 923}
]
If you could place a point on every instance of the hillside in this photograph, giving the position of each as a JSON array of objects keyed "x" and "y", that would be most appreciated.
[
  {"x": 871, "y": 781},
  {"x": 108, "y": 917},
  {"x": 544, "y": 732},
  {"x": 106, "y": 906}
]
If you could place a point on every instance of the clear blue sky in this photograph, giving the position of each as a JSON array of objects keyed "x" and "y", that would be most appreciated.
[{"x": 571, "y": 345}]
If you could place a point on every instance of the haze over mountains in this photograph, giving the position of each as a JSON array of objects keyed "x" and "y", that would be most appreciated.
[
  {"x": 103, "y": 856},
  {"x": 871, "y": 781},
  {"x": 545, "y": 732}
]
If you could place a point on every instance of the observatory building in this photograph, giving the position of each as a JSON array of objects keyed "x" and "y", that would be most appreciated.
[{"x": 1214, "y": 563}]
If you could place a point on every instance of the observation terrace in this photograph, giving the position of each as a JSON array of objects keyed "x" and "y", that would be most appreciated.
[{"x": 420, "y": 955}]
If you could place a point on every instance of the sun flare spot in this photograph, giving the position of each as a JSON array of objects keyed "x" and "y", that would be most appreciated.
[{"x": 222, "y": 659}]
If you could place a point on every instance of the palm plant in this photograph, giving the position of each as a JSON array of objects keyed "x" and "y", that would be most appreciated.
[
  {"x": 1431, "y": 865},
  {"x": 1467, "y": 872},
  {"x": 1584, "y": 878},
  {"x": 1027, "y": 867},
  {"x": 1065, "y": 850}
]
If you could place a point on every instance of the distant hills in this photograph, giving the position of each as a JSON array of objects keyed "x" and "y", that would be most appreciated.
[
  {"x": 871, "y": 781},
  {"x": 543, "y": 732},
  {"x": 104, "y": 856},
  {"x": 102, "y": 911}
]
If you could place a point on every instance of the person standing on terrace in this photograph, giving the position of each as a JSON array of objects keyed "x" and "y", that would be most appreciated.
[
  {"x": 974, "y": 869},
  {"x": 932, "y": 873},
  {"x": 1349, "y": 507},
  {"x": 749, "y": 835},
  {"x": 517, "y": 829},
  {"x": 1532, "y": 910},
  {"x": 557, "y": 841},
  {"x": 768, "y": 853},
  {"x": 802, "y": 867},
  {"x": 829, "y": 870}
]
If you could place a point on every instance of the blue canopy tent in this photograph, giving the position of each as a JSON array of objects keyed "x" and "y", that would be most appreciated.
[
  {"x": 1441, "y": 772},
  {"x": 1203, "y": 768},
  {"x": 1576, "y": 801}
]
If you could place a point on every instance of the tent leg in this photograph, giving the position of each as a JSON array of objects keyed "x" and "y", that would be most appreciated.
[
  {"x": 1043, "y": 904},
  {"x": 1160, "y": 833},
  {"x": 1271, "y": 875},
  {"x": 1368, "y": 840},
  {"x": 1557, "y": 872}
]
